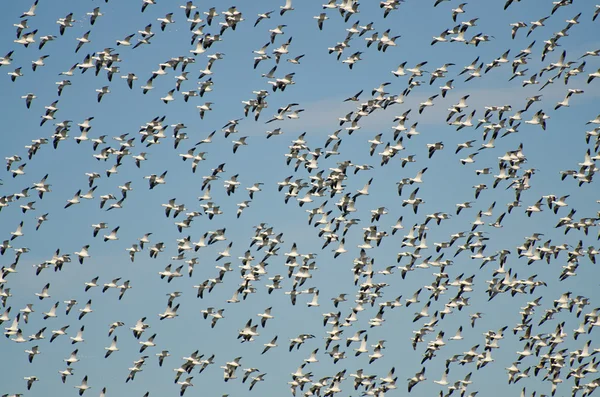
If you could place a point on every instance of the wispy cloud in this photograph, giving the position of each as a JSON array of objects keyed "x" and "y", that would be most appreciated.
[{"x": 321, "y": 115}]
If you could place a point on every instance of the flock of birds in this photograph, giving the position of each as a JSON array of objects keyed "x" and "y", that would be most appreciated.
[{"x": 327, "y": 185}]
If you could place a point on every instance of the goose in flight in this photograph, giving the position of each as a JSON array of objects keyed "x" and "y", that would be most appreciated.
[
  {"x": 419, "y": 377},
  {"x": 70, "y": 304},
  {"x": 31, "y": 12},
  {"x": 149, "y": 85},
  {"x": 38, "y": 62},
  {"x": 113, "y": 235},
  {"x": 456, "y": 11},
  {"x": 270, "y": 345},
  {"x": 18, "y": 232},
  {"x": 166, "y": 20},
  {"x": 91, "y": 284},
  {"x": 30, "y": 207},
  {"x": 210, "y": 14},
  {"x": 30, "y": 97},
  {"x": 64, "y": 373},
  {"x": 147, "y": 343},
  {"x": 26, "y": 38},
  {"x": 30, "y": 381},
  {"x": 188, "y": 8},
  {"x": 167, "y": 98},
  {"x": 126, "y": 41},
  {"x": 539, "y": 118},
  {"x": 139, "y": 328},
  {"x": 266, "y": 15},
  {"x": 94, "y": 15},
  {"x": 469, "y": 159},
  {"x": 79, "y": 337},
  {"x": 593, "y": 75},
  {"x": 256, "y": 379},
  {"x": 14, "y": 75},
  {"x": 531, "y": 80},
  {"x": 386, "y": 41},
  {"x": 433, "y": 147},
  {"x": 32, "y": 353},
  {"x": 155, "y": 180},
  {"x": 413, "y": 200},
  {"x": 204, "y": 108},
  {"x": 161, "y": 357},
  {"x": 88, "y": 63},
  {"x": 146, "y": 3},
  {"x": 276, "y": 31},
  {"x": 112, "y": 284},
  {"x": 185, "y": 384},
  {"x": 82, "y": 40},
  {"x": 43, "y": 41},
  {"x": 295, "y": 60},
  {"x": 427, "y": 103},
  {"x": 537, "y": 24},
  {"x": 74, "y": 200},
  {"x": 6, "y": 59},
  {"x": 87, "y": 309},
  {"x": 442, "y": 38},
  {"x": 60, "y": 332},
  {"x": 321, "y": 18},
  {"x": 101, "y": 92},
  {"x": 44, "y": 293},
  {"x": 112, "y": 348},
  {"x": 285, "y": 8}
]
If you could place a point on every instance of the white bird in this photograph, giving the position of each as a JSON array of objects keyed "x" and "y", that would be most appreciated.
[
  {"x": 34, "y": 351},
  {"x": 79, "y": 337},
  {"x": 166, "y": 20},
  {"x": 94, "y": 15},
  {"x": 30, "y": 380},
  {"x": 66, "y": 372},
  {"x": 91, "y": 284},
  {"x": 18, "y": 232},
  {"x": 444, "y": 380},
  {"x": 83, "y": 386},
  {"x": 31, "y": 11},
  {"x": 112, "y": 284},
  {"x": 470, "y": 159},
  {"x": 458, "y": 10},
  {"x": 161, "y": 357},
  {"x": 265, "y": 15},
  {"x": 147, "y": 343},
  {"x": 286, "y": 7},
  {"x": 126, "y": 41},
  {"x": 113, "y": 235},
  {"x": 44, "y": 293},
  {"x": 101, "y": 92},
  {"x": 83, "y": 40},
  {"x": 87, "y": 309},
  {"x": 38, "y": 62},
  {"x": 322, "y": 17},
  {"x": 112, "y": 348},
  {"x": 315, "y": 299},
  {"x": 167, "y": 98},
  {"x": 458, "y": 335}
]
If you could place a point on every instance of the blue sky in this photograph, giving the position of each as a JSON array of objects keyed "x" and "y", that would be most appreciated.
[{"x": 322, "y": 83}]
